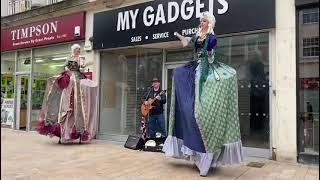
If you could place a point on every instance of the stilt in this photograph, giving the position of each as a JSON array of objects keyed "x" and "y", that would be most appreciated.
[{"x": 59, "y": 141}]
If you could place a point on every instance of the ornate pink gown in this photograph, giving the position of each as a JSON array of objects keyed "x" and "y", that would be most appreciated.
[{"x": 69, "y": 106}]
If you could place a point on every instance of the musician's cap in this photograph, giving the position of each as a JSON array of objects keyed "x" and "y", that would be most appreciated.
[{"x": 155, "y": 80}]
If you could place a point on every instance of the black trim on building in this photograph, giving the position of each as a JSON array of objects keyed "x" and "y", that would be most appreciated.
[{"x": 156, "y": 21}]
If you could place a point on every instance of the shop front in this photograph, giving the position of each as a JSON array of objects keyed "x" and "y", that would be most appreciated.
[
  {"x": 307, "y": 14},
  {"x": 137, "y": 43},
  {"x": 29, "y": 55}
]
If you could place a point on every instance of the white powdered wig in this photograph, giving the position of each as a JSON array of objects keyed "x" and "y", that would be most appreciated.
[
  {"x": 212, "y": 22},
  {"x": 73, "y": 47}
]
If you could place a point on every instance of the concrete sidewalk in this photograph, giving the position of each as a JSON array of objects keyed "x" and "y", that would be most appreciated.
[{"x": 27, "y": 155}]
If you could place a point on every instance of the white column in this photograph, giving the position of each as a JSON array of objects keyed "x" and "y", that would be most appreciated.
[
  {"x": 283, "y": 62},
  {"x": 92, "y": 56}
]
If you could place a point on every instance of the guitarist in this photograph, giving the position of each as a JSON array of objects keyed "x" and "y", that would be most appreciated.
[{"x": 156, "y": 122}]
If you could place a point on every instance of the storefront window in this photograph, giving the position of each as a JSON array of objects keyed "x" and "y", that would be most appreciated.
[
  {"x": 7, "y": 78},
  {"x": 126, "y": 74},
  {"x": 249, "y": 55},
  {"x": 7, "y": 85},
  {"x": 24, "y": 61},
  {"x": 308, "y": 82},
  {"x": 47, "y": 62},
  {"x": 177, "y": 55},
  {"x": 125, "y": 78}
]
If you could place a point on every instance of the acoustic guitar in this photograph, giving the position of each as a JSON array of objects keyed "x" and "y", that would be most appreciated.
[{"x": 145, "y": 109}]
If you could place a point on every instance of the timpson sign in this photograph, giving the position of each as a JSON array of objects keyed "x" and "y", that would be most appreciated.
[
  {"x": 156, "y": 21},
  {"x": 35, "y": 31},
  {"x": 51, "y": 31}
]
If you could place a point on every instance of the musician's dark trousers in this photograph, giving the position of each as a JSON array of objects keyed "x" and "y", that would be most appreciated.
[{"x": 156, "y": 124}]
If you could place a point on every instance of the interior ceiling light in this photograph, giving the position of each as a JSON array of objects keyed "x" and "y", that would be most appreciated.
[{"x": 58, "y": 58}]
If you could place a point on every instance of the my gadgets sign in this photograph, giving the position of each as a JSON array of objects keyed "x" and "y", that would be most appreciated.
[{"x": 156, "y": 21}]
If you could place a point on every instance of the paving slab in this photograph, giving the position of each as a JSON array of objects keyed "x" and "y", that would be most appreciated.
[{"x": 28, "y": 155}]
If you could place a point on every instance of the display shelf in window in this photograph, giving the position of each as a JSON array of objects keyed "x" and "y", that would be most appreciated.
[
  {"x": 7, "y": 86},
  {"x": 39, "y": 86}
]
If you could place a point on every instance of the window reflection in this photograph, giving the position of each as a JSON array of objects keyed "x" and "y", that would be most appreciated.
[
  {"x": 308, "y": 84},
  {"x": 125, "y": 78},
  {"x": 24, "y": 61}
]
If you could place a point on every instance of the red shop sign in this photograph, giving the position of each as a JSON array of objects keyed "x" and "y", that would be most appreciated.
[
  {"x": 309, "y": 83},
  {"x": 51, "y": 31}
]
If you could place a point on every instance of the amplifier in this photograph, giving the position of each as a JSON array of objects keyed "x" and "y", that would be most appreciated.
[{"x": 134, "y": 142}]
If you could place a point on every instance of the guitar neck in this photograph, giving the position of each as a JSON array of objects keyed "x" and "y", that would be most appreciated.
[{"x": 154, "y": 99}]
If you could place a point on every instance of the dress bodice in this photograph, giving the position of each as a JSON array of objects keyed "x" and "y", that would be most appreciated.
[
  {"x": 199, "y": 45},
  {"x": 73, "y": 65}
]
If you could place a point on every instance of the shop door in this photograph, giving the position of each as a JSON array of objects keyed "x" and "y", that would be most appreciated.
[
  {"x": 167, "y": 84},
  {"x": 22, "y": 107}
]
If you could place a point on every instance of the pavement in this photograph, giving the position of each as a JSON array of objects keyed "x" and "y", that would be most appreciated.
[{"x": 29, "y": 156}]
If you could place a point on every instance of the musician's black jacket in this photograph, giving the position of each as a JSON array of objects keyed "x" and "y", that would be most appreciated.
[{"x": 158, "y": 109}]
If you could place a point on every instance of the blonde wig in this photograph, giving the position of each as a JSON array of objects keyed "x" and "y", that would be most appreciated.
[
  {"x": 212, "y": 22},
  {"x": 73, "y": 47}
]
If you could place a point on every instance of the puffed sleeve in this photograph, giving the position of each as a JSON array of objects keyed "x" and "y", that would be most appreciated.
[
  {"x": 193, "y": 39},
  {"x": 212, "y": 42},
  {"x": 66, "y": 62}
]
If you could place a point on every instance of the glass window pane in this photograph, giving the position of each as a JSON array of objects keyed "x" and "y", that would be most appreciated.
[
  {"x": 310, "y": 15},
  {"x": 7, "y": 75},
  {"x": 308, "y": 87},
  {"x": 179, "y": 55},
  {"x": 24, "y": 61},
  {"x": 125, "y": 78},
  {"x": 249, "y": 55}
]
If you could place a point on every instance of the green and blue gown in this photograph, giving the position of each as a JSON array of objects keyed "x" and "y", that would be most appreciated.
[{"x": 204, "y": 123}]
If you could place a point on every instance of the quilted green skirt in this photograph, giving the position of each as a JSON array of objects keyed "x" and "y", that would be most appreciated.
[{"x": 204, "y": 122}]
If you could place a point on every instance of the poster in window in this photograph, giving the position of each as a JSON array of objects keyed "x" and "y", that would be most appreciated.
[{"x": 7, "y": 112}]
